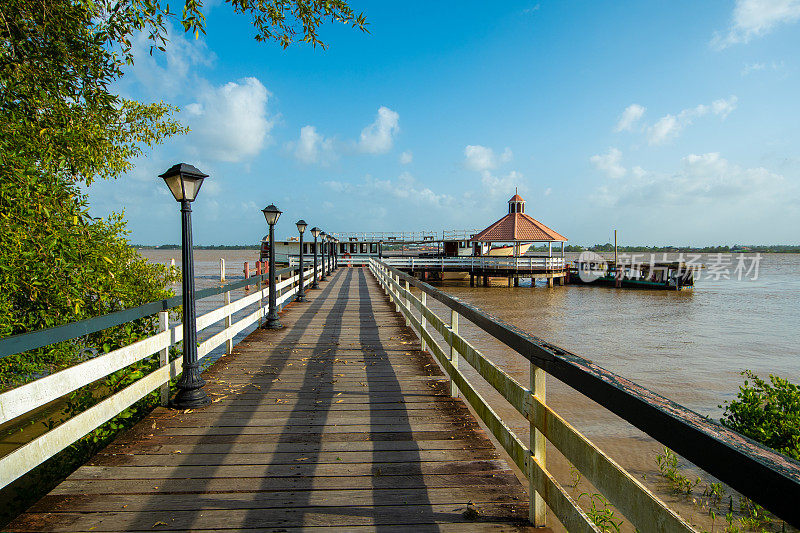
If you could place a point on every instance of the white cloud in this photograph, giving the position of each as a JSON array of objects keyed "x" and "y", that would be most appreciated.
[
  {"x": 666, "y": 128},
  {"x": 337, "y": 186},
  {"x": 753, "y": 67},
  {"x": 406, "y": 158},
  {"x": 312, "y": 147},
  {"x": 669, "y": 126},
  {"x": 750, "y": 68},
  {"x": 171, "y": 72},
  {"x": 723, "y": 107},
  {"x": 548, "y": 191},
  {"x": 405, "y": 188},
  {"x": 378, "y": 137},
  {"x": 629, "y": 117},
  {"x": 702, "y": 179},
  {"x": 500, "y": 185},
  {"x": 408, "y": 189},
  {"x": 754, "y": 18},
  {"x": 481, "y": 158},
  {"x": 230, "y": 122},
  {"x": 609, "y": 163}
]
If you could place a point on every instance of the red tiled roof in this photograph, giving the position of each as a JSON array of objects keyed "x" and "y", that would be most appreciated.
[
  {"x": 518, "y": 227},
  {"x": 516, "y": 198}
]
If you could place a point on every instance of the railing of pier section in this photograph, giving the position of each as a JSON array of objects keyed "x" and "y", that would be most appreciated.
[
  {"x": 26, "y": 398},
  {"x": 770, "y": 479},
  {"x": 478, "y": 263}
]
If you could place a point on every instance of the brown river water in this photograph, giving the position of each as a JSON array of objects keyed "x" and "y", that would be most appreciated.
[{"x": 689, "y": 346}]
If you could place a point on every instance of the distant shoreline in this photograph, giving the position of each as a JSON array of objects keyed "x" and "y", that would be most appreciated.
[
  {"x": 764, "y": 249},
  {"x": 196, "y": 247}
]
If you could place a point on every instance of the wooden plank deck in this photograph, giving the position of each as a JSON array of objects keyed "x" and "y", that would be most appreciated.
[{"x": 337, "y": 422}]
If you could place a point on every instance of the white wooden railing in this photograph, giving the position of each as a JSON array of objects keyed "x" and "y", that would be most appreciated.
[
  {"x": 23, "y": 399},
  {"x": 478, "y": 263},
  {"x": 467, "y": 263}
]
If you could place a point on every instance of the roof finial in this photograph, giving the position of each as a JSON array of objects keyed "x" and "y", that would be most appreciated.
[{"x": 515, "y": 191}]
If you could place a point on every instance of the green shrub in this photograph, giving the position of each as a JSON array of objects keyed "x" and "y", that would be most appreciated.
[{"x": 767, "y": 412}]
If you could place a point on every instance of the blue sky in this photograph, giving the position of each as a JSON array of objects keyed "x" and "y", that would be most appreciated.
[{"x": 673, "y": 122}]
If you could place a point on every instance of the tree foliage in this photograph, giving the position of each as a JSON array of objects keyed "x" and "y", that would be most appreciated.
[
  {"x": 767, "y": 412},
  {"x": 64, "y": 127}
]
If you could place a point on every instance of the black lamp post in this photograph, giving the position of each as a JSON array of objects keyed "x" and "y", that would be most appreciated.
[
  {"x": 301, "y": 292},
  {"x": 272, "y": 213},
  {"x": 184, "y": 182},
  {"x": 315, "y": 232},
  {"x": 323, "y": 242},
  {"x": 335, "y": 250}
]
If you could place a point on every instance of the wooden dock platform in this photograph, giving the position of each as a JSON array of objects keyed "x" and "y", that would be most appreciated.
[{"x": 338, "y": 421}]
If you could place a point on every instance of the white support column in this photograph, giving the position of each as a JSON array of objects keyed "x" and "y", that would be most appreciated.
[
  {"x": 538, "y": 509},
  {"x": 453, "y": 352},
  {"x": 163, "y": 355},
  {"x": 422, "y": 320}
]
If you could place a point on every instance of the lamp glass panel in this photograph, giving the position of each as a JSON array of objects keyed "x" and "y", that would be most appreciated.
[
  {"x": 174, "y": 184},
  {"x": 191, "y": 186}
]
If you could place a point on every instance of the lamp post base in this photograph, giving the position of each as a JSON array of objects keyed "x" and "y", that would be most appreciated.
[
  {"x": 190, "y": 398},
  {"x": 301, "y": 299},
  {"x": 273, "y": 323},
  {"x": 314, "y": 285}
]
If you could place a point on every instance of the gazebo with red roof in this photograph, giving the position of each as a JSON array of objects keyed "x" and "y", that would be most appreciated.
[{"x": 518, "y": 227}]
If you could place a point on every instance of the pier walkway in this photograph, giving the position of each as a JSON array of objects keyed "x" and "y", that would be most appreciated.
[{"x": 337, "y": 421}]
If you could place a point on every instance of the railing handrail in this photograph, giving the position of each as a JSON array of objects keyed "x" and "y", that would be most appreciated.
[
  {"x": 32, "y": 340},
  {"x": 475, "y": 260},
  {"x": 754, "y": 470}
]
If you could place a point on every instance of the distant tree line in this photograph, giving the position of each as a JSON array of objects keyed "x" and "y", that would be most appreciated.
[
  {"x": 750, "y": 248},
  {"x": 211, "y": 247}
]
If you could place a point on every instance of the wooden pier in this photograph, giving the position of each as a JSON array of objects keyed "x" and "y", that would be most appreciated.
[
  {"x": 338, "y": 422},
  {"x": 343, "y": 420}
]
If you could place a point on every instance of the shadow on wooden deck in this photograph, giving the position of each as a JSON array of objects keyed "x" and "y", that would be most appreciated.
[{"x": 336, "y": 421}]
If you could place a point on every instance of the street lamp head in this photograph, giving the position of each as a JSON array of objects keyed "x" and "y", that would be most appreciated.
[
  {"x": 323, "y": 235},
  {"x": 184, "y": 181},
  {"x": 301, "y": 225},
  {"x": 315, "y": 231},
  {"x": 272, "y": 214}
]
